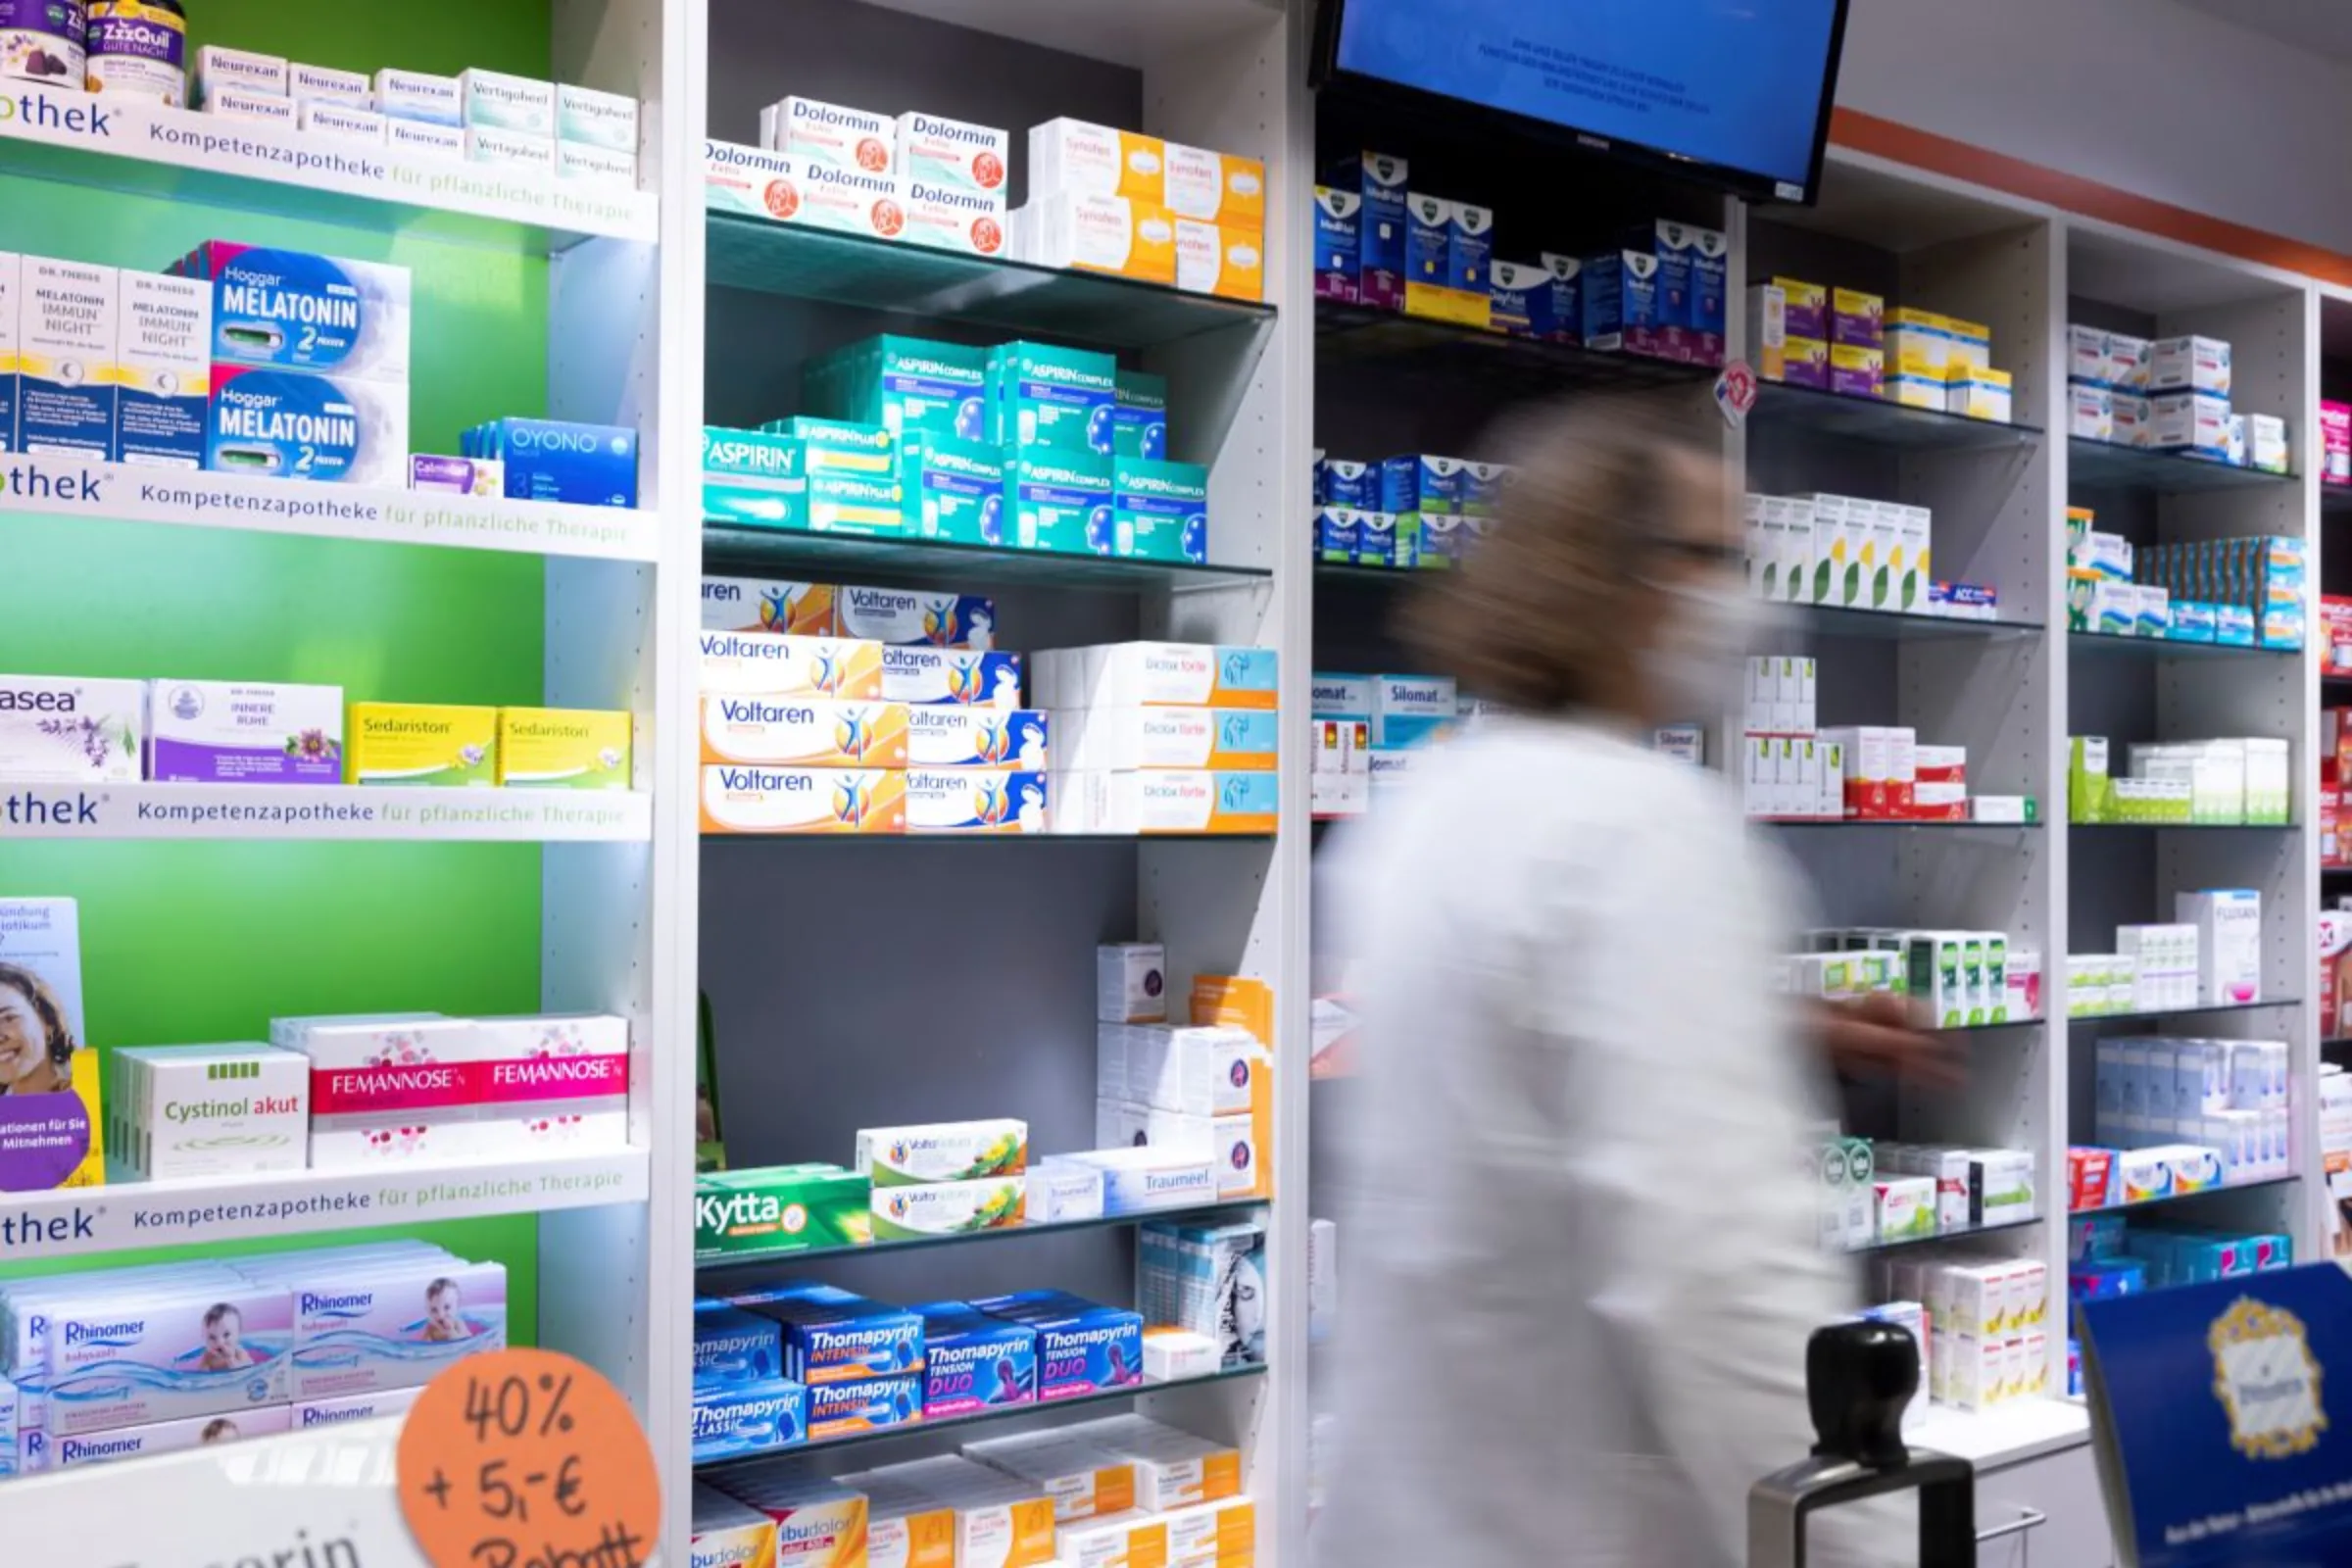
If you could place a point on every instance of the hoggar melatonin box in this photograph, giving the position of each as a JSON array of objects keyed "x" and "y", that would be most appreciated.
[
  {"x": 294, "y": 310},
  {"x": 235, "y": 732},
  {"x": 293, "y": 424}
]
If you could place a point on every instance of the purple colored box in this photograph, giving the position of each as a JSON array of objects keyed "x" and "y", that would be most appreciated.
[
  {"x": 1857, "y": 319},
  {"x": 243, "y": 732},
  {"x": 1338, "y": 244},
  {"x": 1379, "y": 180}
]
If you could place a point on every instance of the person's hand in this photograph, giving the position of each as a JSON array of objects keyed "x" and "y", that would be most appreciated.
[{"x": 1875, "y": 1037}]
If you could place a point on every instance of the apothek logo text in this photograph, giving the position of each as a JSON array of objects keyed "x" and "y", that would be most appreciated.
[
  {"x": 27, "y": 1230},
  {"x": 42, "y": 112},
  {"x": 49, "y": 808}
]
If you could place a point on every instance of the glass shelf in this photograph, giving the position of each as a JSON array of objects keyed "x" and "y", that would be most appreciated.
[
  {"x": 2106, "y": 645},
  {"x": 1897, "y": 626},
  {"x": 1202, "y": 1214},
  {"x": 815, "y": 263},
  {"x": 1946, "y": 1236},
  {"x": 762, "y": 549},
  {"x": 1844, "y": 824},
  {"x": 988, "y": 838},
  {"x": 2104, "y": 465},
  {"x": 2182, "y": 1198},
  {"x": 917, "y": 1429},
  {"x": 2185, "y": 827},
  {"x": 1352, "y": 336},
  {"x": 1876, "y": 421},
  {"x": 2185, "y": 1012}
]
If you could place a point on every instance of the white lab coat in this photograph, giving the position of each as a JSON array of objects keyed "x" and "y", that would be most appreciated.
[{"x": 1579, "y": 1259}]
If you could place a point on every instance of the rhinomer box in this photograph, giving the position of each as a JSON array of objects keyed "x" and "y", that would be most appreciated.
[
  {"x": 564, "y": 747},
  {"x": 421, "y": 743},
  {"x": 70, "y": 730},
  {"x": 124, "y": 1361},
  {"x": 387, "y": 1324}
]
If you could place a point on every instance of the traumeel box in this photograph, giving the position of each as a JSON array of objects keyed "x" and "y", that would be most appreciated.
[
  {"x": 803, "y": 800},
  {"x": 557, "y": 748},
  {"x": 421, "y": 743}
]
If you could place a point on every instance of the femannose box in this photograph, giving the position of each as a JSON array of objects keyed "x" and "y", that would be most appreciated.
[
  {"x": 780, "y": 664},
  {"x": 207, "y": 1110},
  {"x": 804, "y": 732},
  {"x": 743, "y": 799},
  {"x": 1076, "y": 158},
  {"x": 66, "y": 323},
  {"x": 771, "y": 605},
  {"x": 295, "y": 310}
]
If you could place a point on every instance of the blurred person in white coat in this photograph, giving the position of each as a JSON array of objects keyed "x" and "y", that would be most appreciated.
[{"x": 1581, "y": 1258}]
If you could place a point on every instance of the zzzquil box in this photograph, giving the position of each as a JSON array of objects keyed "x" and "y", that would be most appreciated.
[
  {"x": 804, "y": 800},
  {"x": 421, "y": 743},
  {"x": 231, "y": 732},
  {"x": 120, "y": 1360},
  {"x": 564, "y": 747}
]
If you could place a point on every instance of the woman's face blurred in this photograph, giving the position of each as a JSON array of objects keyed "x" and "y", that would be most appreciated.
[
  {"x": 23, "y": 1041},
  {"x": 1699, "y": 614}
]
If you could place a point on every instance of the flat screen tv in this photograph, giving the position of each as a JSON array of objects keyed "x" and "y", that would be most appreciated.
[{"x": 1734, "y": 93}]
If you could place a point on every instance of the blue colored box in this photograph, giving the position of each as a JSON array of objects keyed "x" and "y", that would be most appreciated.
[
  {"x": 556, "y": 459},
  {"x": 955, "y": 489},
  {"x": 731, "y": 1423},
  {"x": 1376, "y": 540},
  {"x": 2233, "y": 625},
  {"x": 293, "y": 424},
  {"x": 735, "y": 1349},
  {"x": 875, "y": 1404},
  {"x": 1379, "y": 180},
  {"x": 1059, "y": 500},
  {"x": 1062, "y": 400},
  {"x": 1567, "y": 297},
  {"x": 974, "y": 1362},
  {"x": 844, "y": 1339},
  {"x": 1336, "y": 530},
  {"x": 2098, "y": 1279},
  {"x": 1138, "y": 419},
  {"x": 1338, "y": 244},
  {"x": 1159, "y": 511},
  {"x": 1419, "y": 482},
  {"x": 1339, "y": 482},
  {"x": 1444, "y": 542},
  {"x": 1082, "y": 1346},
  {"x": 296, "y": 311},
  {"x": 1521, "y": 300},
  {"x": 1622, "y": 303}
]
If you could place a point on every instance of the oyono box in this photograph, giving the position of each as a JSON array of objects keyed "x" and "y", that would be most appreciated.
[
  {"x": 296, "y": 309},
  {"x": 780, "y": 1208}
]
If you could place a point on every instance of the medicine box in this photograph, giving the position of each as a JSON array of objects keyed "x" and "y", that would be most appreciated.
[
  {"x": 1040, "y": 396},
  {"x": 207, "y": 1110},
  {"x": 1083, "y": 1347},
  {"x": 956, "y": 676},
  {"x": 1131, "y": 983},
  {"x": 1159, "y": 511},
  {"x": 769, "y": 605},
  {"x": 780, "y": 1208},
  {"x": 737, "y": 1420},
  {"x": 1157, "y": 674},
  {"x": 1083, "y": 1480},
  {"x": 905, "y": 385},
  {"x": 571, "y": 749},
  {"x": 2229, "y": 925},
  {"x": 296, "y": 424},
  {"x": 1115, "y": 234},
  {"x": 421, "y": 743},
  {"x": 818, "y": 134},
  {"x": 68, "y": 315},
  {"x": 943, "y": 1151},
  {"x": 1338, "y": 239},
  {"x": 1137, "y": 1181},
  {"x": 2190, "y": 364},
  {"x": 735, "y": 1349},
  {"x": 1218, "y": 258},
  {"x": 1380, "y": 181},
  {"x": 911, "y": 618},
  {"x": 958, "y": 800},
  {"x": 803, "y": 800},
  {"x": 948, "y": 1208},
  {"x": 962, "y": 736},
  {"x": 1140, "y": 416},
  {"x": 1123, "y": 738},
  {"x": 762, "y": 663}
]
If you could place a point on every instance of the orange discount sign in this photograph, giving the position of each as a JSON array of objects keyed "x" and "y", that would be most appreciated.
[{"x": 527, "y": 1459}]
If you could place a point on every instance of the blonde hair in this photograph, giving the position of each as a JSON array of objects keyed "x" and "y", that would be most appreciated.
[{"x": 1542, "y": 612}]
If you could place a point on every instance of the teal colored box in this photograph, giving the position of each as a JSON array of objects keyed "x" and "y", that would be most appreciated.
[
  {"x": 1059, "y": 501},
  {"x": 756, "y": 505},
  {"x": 1139, "y": 420},
  {"x": 908, "y": 385},
  {"x": 840, "y": 446},
  {"x": 753, "y": 480},
  {"x": 1037, "y": 394},
  {"x": 1159, "y": 511},
  {"x": 1443, "y": 541},
  {"x": 955, "y": 489},
  {"x": 849, "y": 503}
]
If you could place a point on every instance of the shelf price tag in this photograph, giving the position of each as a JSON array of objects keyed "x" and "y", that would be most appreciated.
[
  {"x": 1736, "y": 392},
  {"x": 527, "y": 1458}
]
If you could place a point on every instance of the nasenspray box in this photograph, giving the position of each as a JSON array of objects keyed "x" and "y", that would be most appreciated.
[
  {"x": 124, "y": 1362},
  {"x": 117, "y": 1444},
  {"x": 1060, "y": 501},
  {"x": 1159, "y": 511},
  {"x": 162, "y": 369},
  {"x": 1379, "y": 180},
  {"x": 67, "y": 316},
  {"x": 1041, "y": 396}
]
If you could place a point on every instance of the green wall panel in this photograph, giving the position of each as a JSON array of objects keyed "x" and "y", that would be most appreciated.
[{"x": 197, "y": 942}]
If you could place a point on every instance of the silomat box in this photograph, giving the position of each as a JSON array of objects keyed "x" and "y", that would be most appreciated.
[
  {"x": 780, "y": 1208},
  {"x": 562, "y": 749}
]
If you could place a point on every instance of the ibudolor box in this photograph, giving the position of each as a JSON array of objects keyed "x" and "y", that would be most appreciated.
[{"x": 781, "y": 1208}]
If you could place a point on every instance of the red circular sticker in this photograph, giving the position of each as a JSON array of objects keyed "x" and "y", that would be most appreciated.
[
  {"x": 873, "y": 156},
  {"x": 888, "y": 218},
  {"x": 988, "y": 235},
  {"x": 988, "y": 169},
  {"x": 781, "y": 198}
]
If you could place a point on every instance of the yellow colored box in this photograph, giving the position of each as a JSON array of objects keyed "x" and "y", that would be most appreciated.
[
  {"x": 1213, "y": 1535},
  {"x": 420, "y": 743},
  {"x": 1120, "y": 235},
  {"x": 1438, "y": 303},
  {"x": 743, "y": 799},
  {"x": 1916, "y": 381},
  {"x": 905, "y": 1533},
  {"x": 1134, "y": 1539},
  {"x": 1077, "y": 158},
  {"x": 1808, "y": 307},
  {"x": 1216, "y": 187},
  {"x": 1220, "y": 259},
  {"x": 769, "y": 663},
  {"x": 819, "y": 1524},
  {"x": 564, "y": 747},
  {"x": 803, "y": 732}
]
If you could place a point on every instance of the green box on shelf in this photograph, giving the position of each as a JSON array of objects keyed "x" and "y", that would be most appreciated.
[
  {"x": 1159, "y": 511},
  {"x": 780, "y": 1208},
  {"x": 908, "y": 385},
  {"x": 955, "y": 489},
  {"x": 1059, "y": 501},
  {"x": 846, "y": 448},
  {"x": 2089, "y": 792},
  {"x": 851, "y": 503},
  {"x": 1140, "y": 417},
  {"x": 753, "y": 478},
  {"x": 1041, "y": 395}
]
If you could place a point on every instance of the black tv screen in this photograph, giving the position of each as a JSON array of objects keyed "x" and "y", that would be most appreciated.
[{"x": 1739, "y": 91}]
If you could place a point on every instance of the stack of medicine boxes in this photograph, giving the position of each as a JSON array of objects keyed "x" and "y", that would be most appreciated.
[
  {"x": 1371, "y": 727},
  {"x": 328, "y": 401},
  {"x": 1786, "y": 770},
  {"x": 1989, "y": 1323},
  {"x": 1162, "y": 737},
  {"x": 1206, "y": 1089},
  {"x": 1134, "y": 206},
  {"x": 2175, "y": 1116},
  {"x": 944, "y": 180},
  {"x": 2167, "y": 395},
  {"x": 103, "y": 364},
  {"x": 879, "y": 710},
  {"x": 1842, "y": 552}
]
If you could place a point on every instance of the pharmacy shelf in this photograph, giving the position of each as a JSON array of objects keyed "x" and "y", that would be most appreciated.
[
  {"x": 2006, "y": 1434},
  {"x": 1901, "y": 627},
  {"x": 2256, "y": 1185},
  {"x": 141, "y": 148},
  {"x": 1353, "y": 337},
  {"x": 1874, "y": 422},
  {"x": 2161, "y": 1013},
  {"x": 984, "y": 1419},
  {"x": 2335, "y": 498},
  {"x": 768, "y": 257},
  {"x": 422, "y": 813},
  {"x": 1947, "y": 1236},
  {"x": 1201, "y": 1214},
  {"x": 1858, "y": 825},
  {"x": 328, "y": 1492},
  {"x": 53, "y": 486},
  {"x": 2104, "y": 465},
  {"x": 2184, "y": 828},
  {"x": 1374, "y": 579},
  {"x": 86, "y": 1221},
  {"x": 730, "y": 546},
  {"x": 2104, "y": 645}
]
